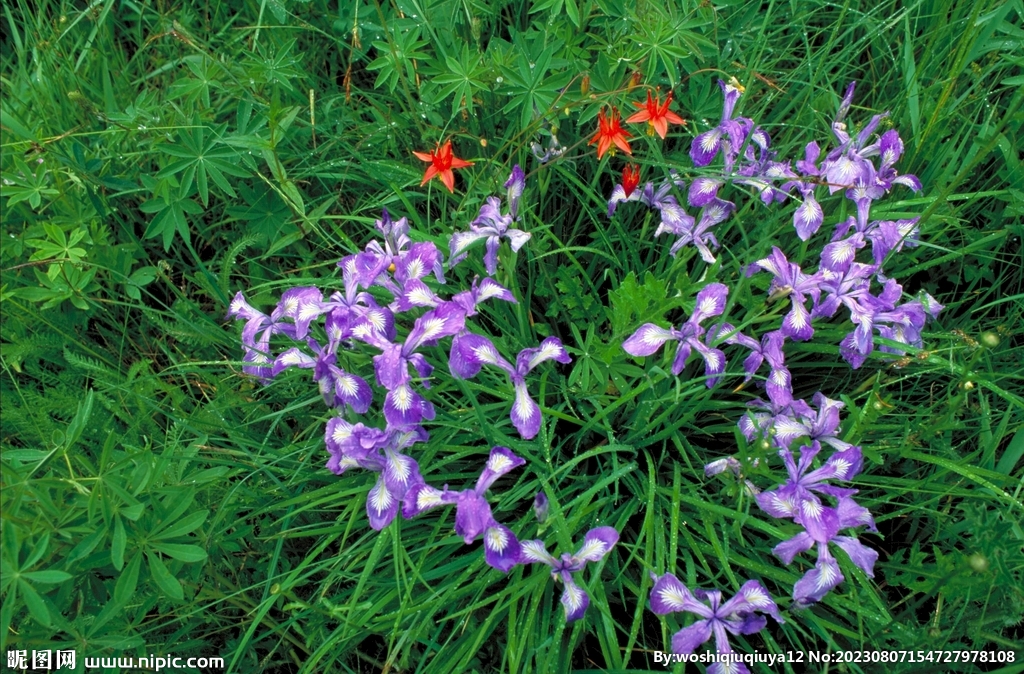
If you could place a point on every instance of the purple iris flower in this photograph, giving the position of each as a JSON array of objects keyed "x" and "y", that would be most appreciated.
[
  {"x": 256, "y": 334},
  {"x": 891, "y": 235},
  {"x": 492, "y": 225},
  {"x": 619, "y": 195},
  {"x": 725, "y": 333},
  {"x": 864, "y": 190},
  {"x": 905, "y": 322},
  {"x": 857, "y": 345},
  {"x": 481, "y": 291},
  {"x": 849, "y": 164},
  {"x": 779, "y": 383},
  {"x": 890, "y": 149},
  {"x": 719, "y": 466},
  {"x": 596, "y": 544},
  {"x": 415, "y": 293},
  {"x": 675, "y": 220},
  {"x": 737, "y": 616},
  {"x": 402, "y": 405},
  {"x": 714, "y": 212},
  {"x": 823, "y": 426},
  {"x": 649, "y": 337},
  {"x": 728, "y": 136},
  {"x": 540, "y": 507},
  {"x": 850, "y": 160},
  {"x": 843, "y": 279},
  {"x": 790, "y": 280},
  {"x": 380, "y": 451},
  {"x": 901, "y": 323},
  {"x": 733, "y": 465},
  {"x": 762, "y": 172},
  {"x": 786, "y": 501},
  {"x": 808, "y": 216},
  {"x": 471, "y": 352},
  {"x": 337, "y": 387},
  {"x": 376, "y": 263},
  {"x": 778, "y": 419},
  {"x": 703, "y": 190},
  {"x": 473, "y": 516},
  {"x": 302, "y": 306},
  {"x": 658, "y": 198},
  {"x": 354, "y": 313},
  {"x": 821, "y": 526},
  {"x": 514, "y": 187}
]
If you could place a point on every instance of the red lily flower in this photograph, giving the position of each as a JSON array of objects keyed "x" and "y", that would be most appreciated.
[
  {"x": 442, "y": 161},
  {"x": 657, "y": 116},
  {"x": 630, "y": 178},
  {"x": 608, "y": 132}
]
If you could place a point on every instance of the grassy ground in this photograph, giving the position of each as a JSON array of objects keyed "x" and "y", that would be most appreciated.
[{"x": 157, "y": 158}]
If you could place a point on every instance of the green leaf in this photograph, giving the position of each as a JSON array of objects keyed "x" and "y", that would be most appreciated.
[
  {"x": 133, "y": 512},
  {"x": 118, "y": 542},
  {"x": 142, "y": 276},
  {"x": 37, "y": 551},
  {"x": 128, "y": 580},
  {"x": 163, "y": 578},
  {"x": 573, "y": 11},
  {"x": 634, "y": 303},
  {"x": 86, "y": 546},
  {"x": 1013, "y": 453},
  {"x": 184, "y": 553},
  {"x": 36, "y": 606},
  {"x": 48, "y": 576},
  {"x": 185, "y": 526}
]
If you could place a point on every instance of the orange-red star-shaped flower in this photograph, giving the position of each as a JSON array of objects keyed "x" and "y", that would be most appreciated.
[
  {"x": 656, "y": 114},
  {"x": 610, "y": 131},
  {"x": 630, "y": 178},
  {"x": 442, "y": 161}
]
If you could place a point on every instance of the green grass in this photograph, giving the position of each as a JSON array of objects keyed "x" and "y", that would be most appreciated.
[{"x": 168, "y": 156}]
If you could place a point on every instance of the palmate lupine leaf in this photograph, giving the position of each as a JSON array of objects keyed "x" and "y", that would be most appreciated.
[
  {"x": 395, "y": 58},
  {"x": 170, "y": 210},
  {"x": 200, "y": 159},
  {"x": 462, "y": 79},
  {"x": 533, "y": 94}
]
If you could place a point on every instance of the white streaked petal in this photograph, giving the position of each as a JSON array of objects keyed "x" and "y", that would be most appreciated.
[
  {"x": 673, "y": 597},
  {"x": 593, "y": 549},
  {"x": 428, "y": 498},
  {"x": 496, "y": 539},
  {"x": 499, "y": 463},
  {"x": 534, "y": 551}
]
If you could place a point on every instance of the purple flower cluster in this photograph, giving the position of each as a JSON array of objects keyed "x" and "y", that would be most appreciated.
[
  {"x": 473, "y": 516},
  {"x": 863, "y": 166},
  {"x": 782, "y": 421},
  {"x": 491, "y": 225},
  {"x": 649, "y": 338},
  {"x": 674, "y": 219},
  {"x": 799, "y": 499},
  {"x": 840, "y": 280},
  {"x": 353, "y": 321}
]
